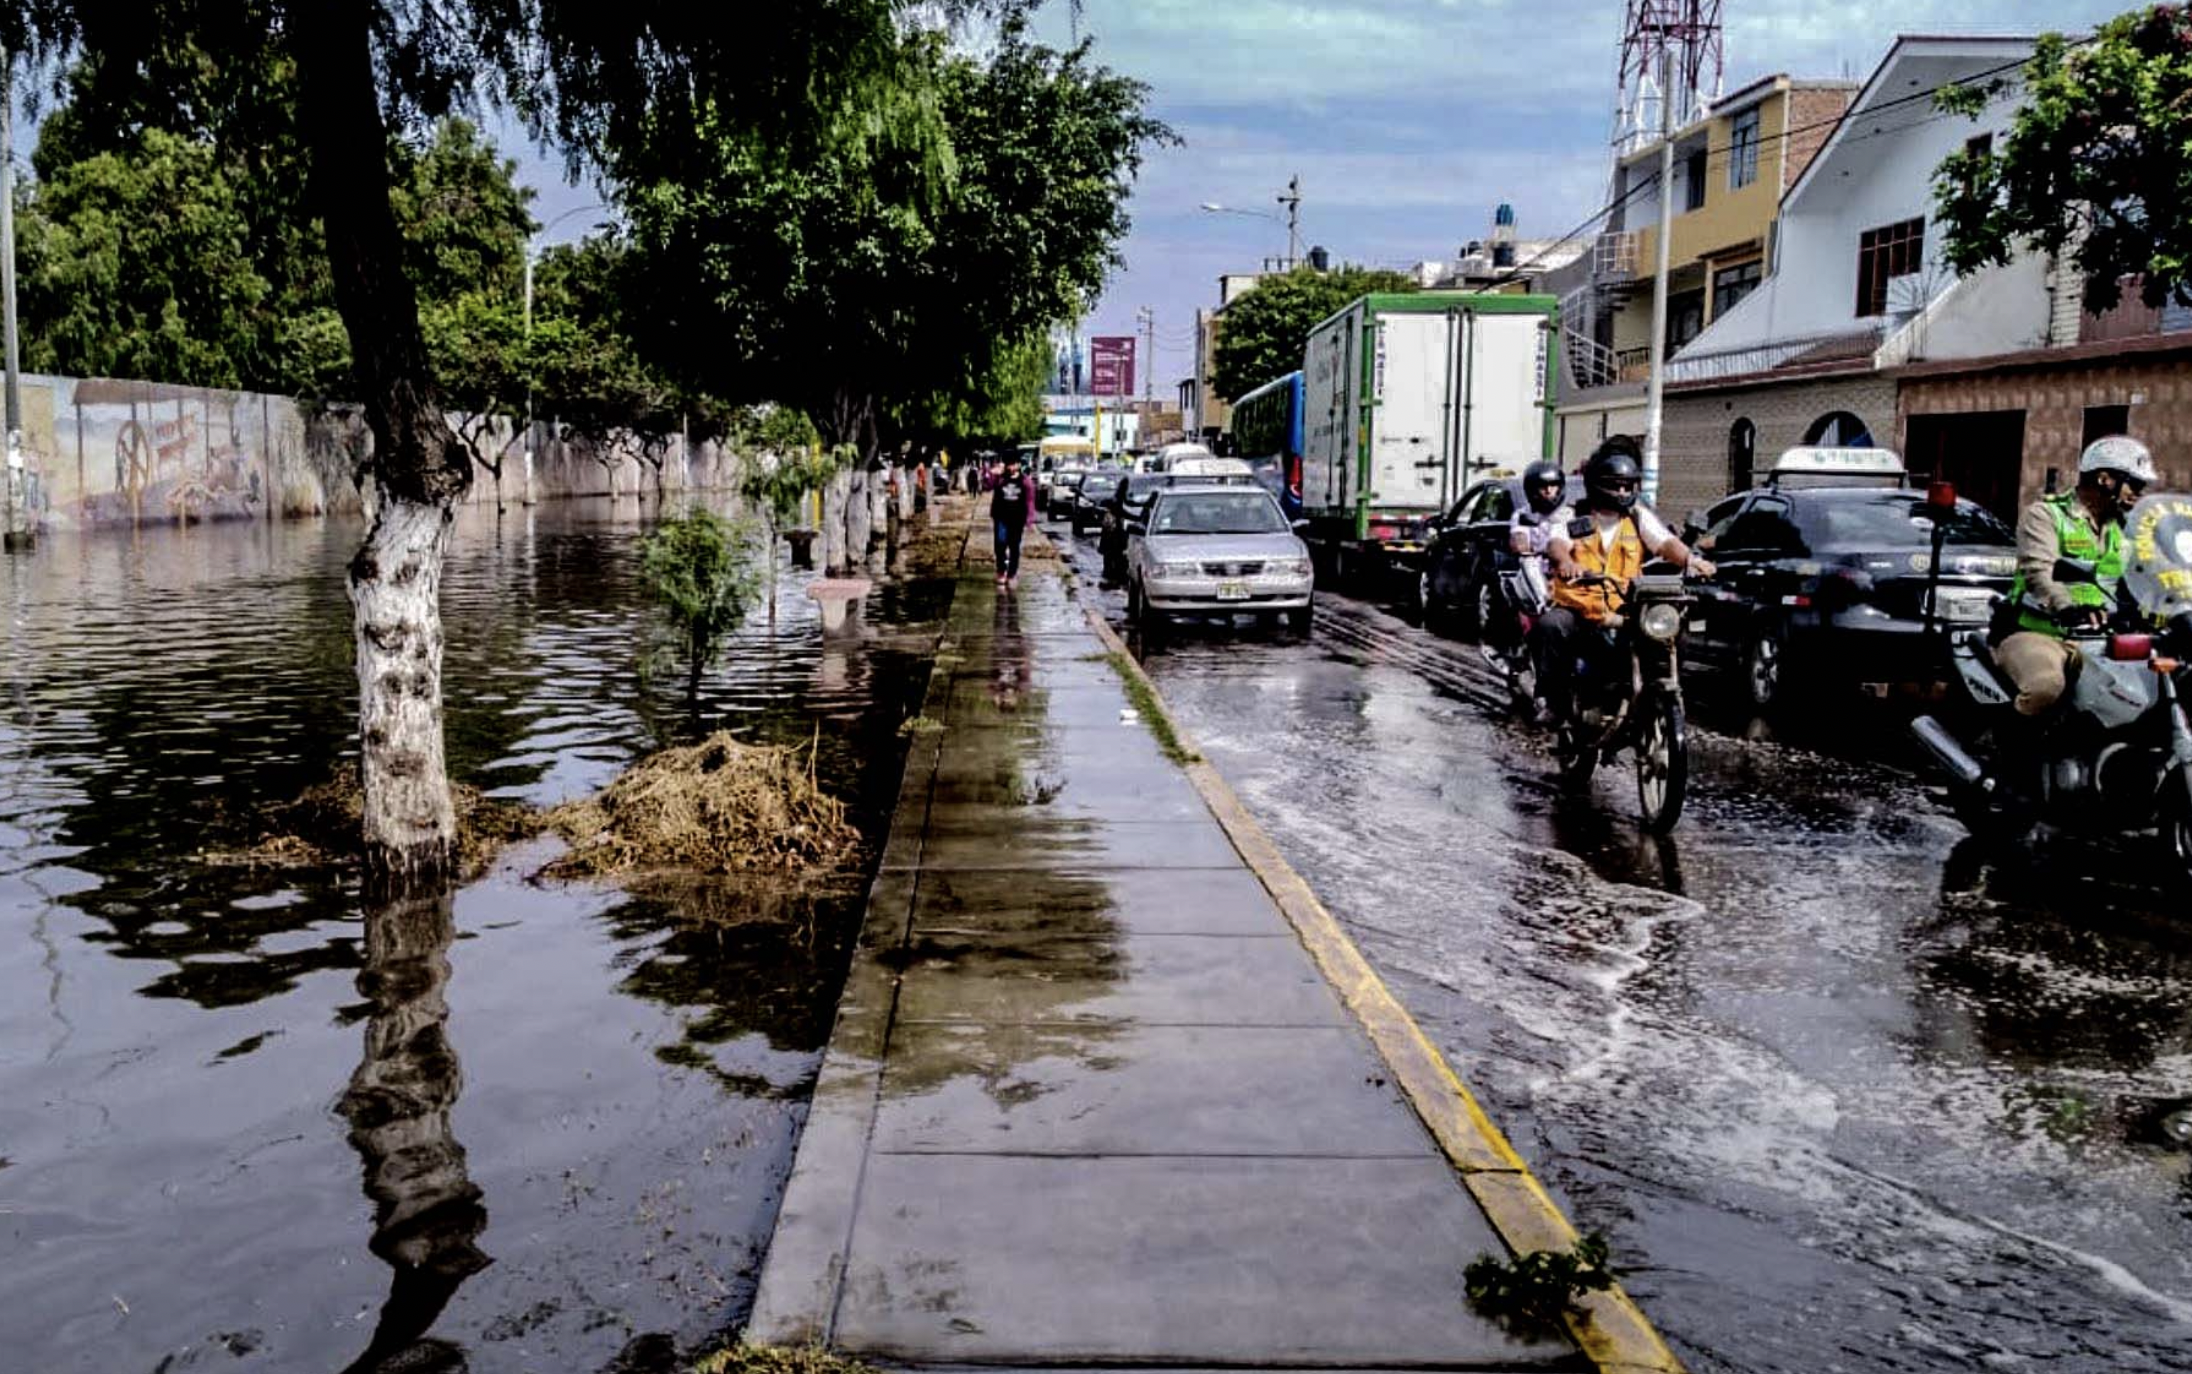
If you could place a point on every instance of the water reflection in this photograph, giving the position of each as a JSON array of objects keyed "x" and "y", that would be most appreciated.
[{"x": 427, "y": 1212}]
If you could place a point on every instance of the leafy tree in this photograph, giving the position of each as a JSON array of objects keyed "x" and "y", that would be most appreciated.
[
  {"x": 112, "y": 287},
  {"x": 1262, "y": 334},
  {"x": 602, "y": 80},
  {"x": 2093, "y": 165},
  {"x": 479, "y": 350},
  {"x": 697, "y": 569},
  {"x": 853, "y": 286}
]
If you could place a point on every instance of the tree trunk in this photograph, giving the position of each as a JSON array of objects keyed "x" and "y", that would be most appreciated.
[
  {"x": 419, "y": 472},
  {"x": 859, "y": 511},
  {"x": 833, "y": 524}
]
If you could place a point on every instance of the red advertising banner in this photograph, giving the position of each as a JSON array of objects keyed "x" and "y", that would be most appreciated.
[{"x": 1111, "y": 365}]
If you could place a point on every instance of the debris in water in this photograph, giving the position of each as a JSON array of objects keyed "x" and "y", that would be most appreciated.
[{"x": 719, "y": 806}]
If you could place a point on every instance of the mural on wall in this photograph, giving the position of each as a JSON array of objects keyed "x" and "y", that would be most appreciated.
[{"x": 106, "y": 452}]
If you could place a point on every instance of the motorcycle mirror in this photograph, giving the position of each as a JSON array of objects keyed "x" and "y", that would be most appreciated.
[
  {"x": 2071, "y": 570},
  {"x": 1941, "y": 496},
  {"x": 1581, "y": 527},
  {"x": 1530, "y": 519}
]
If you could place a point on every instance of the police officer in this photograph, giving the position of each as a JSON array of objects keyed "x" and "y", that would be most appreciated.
[{"x": 2085, "y": 524}]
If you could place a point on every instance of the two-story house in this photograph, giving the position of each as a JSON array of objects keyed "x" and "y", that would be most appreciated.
[
  {"x": 1861, "y": 334},
  {"x": 1731, "y": 166}
]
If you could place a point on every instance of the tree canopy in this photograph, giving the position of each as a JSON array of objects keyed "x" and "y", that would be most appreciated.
[
  {"x": 868, "y": 291},
  {"x": 1263, "y": 332},
  {"x": 2093, "y": 165}
]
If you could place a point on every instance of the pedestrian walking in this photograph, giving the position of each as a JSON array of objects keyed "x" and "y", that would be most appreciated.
[{"x": 1011, "y": 507}]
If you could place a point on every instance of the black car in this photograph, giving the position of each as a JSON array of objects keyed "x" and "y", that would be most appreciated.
[
  {"x": 1466, "y": 549},
  {"x": 1829, "y": 585}
]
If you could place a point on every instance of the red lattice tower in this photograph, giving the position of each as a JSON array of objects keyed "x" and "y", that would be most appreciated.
[{"x": 1688, "y": 31}]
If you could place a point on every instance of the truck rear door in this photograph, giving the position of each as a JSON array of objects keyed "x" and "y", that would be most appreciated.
[{"x": 1410, "y": 448}]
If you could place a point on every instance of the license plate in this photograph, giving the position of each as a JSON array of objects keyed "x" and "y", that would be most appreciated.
[
  {"x": 1232, "y": 591},
  {"x": 1964, "y": 607}
]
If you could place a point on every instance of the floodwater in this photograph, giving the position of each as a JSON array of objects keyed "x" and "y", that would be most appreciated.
[
  {"x": 530, "y": 1126},
  {"x": 1841, "y": 1096}
]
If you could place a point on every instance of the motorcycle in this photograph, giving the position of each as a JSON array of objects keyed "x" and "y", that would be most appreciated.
[
  {"x": 1629, "y": 697},
  {"x": 2120, "y": 758},
  {"x": 1524, "y": 597}
]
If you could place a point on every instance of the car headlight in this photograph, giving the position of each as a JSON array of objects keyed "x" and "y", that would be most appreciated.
[
  {"x": 1662, "y": 622},
  {"x": 1289, "y": 567},
  {"x": 1183, "y": 569}
]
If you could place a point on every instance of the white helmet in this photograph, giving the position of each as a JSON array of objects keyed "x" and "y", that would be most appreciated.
[{"x": 2118, "y": 453}]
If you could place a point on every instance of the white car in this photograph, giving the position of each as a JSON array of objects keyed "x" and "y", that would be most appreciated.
[{"x": 1216, "y": 550}]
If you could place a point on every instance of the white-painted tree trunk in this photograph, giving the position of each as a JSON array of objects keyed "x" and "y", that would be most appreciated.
[
  {"x": 833, "y": 523},
  {"x": 395, "y": 592},
  {"x": 879, "y": 506},
  {"x": 859, "y": 512},
  {"x": 905, "y": 492}
]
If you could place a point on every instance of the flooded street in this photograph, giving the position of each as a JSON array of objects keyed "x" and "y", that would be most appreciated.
[
  {"x": 565, "y": 1111},
  {"x": 1841, "y": 1097}
]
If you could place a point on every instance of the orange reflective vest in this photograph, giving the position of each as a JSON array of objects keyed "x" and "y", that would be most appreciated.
[{"x": 1622, "y": 563}]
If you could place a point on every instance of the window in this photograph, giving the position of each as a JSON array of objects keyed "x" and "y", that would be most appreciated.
[
  {"x": 1883, "y": 254},
  {"x": 1839, "y": 429},
  {"x": 1498, "y": 505},
  {"x": 2102, "y": 421},
  {"x": 1685, "y": 318},
  {"x": 1743, "y": 150},
  {"x": 1764, "y": 528},
  {"x": 1979, "y": 147},
  {"x": 1742, "y": 454},
  {"x": 1693, "y": 181},
  {"x": 1732, "y": 284}
]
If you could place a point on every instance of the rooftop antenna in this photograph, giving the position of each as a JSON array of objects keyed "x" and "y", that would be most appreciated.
[{"x": 1689, "y": 34}]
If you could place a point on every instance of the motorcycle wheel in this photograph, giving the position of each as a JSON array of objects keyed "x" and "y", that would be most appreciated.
[
  {"x": 1662, "y": 766},
  {"x": 2177, "y": 826}
]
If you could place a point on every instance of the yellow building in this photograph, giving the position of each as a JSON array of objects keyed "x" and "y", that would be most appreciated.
[{"x": 1731, "y": 168}]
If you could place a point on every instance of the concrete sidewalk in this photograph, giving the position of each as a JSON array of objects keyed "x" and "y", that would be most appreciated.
[{"x": 1090, "y": 1100}]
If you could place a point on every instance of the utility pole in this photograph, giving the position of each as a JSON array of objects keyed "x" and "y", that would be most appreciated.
[
  {"x": 1292, "y": 201},
  {"x": 17, "y": 533},
  {"x": 1148, "y": 320},
  {"x": 525, "y": 493},
  {"x": 1655, "y": 398}
]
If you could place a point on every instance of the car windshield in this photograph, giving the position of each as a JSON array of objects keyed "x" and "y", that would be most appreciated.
[
  {"x": 1141, "y": 484},
  {"x": 1901, "y": 519},
  {"x": 1219, "y": 512}
]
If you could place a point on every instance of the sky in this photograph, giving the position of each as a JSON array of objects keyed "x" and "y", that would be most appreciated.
[{"x": 1407, "y": 121}]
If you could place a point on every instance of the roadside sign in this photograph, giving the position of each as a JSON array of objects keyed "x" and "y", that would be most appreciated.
[{"x": 1111, "y": 365}]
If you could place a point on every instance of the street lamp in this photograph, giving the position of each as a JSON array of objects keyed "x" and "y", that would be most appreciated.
[
  {"x": 1291, "y": 199},
  {"x": 532, "y": 251}
]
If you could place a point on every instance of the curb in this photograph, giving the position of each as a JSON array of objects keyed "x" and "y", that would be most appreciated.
[{"x": 1611, "y": 1329}]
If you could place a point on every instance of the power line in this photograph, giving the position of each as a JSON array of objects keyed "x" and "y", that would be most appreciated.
[{"x": 1514, "y": 273}]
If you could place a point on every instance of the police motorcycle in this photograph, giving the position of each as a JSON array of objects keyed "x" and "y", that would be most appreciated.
[
  {"x": 2120, "y": 760},
  {"x": 1629, "y": 697}
]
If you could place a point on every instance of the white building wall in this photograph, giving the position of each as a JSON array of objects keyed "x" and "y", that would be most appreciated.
[{"x": 1877, "y": 172}]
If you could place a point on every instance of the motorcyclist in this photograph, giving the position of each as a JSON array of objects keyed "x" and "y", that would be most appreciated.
[
  {"x": 1623, "y": 535},
  {"x": 1544, "y": 511},
  {"x": 2086, "y": 524}
]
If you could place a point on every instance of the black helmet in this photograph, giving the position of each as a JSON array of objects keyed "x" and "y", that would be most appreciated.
[
  {"x": 1614, "y": 461},
  {"x": 1537, "y": 477}
]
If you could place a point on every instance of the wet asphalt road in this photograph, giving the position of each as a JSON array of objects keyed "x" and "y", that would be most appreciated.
[{"x": 1841, "y": 1095}]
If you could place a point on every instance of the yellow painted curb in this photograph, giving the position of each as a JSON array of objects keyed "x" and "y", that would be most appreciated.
[{"x": 1612, "y": 1330}]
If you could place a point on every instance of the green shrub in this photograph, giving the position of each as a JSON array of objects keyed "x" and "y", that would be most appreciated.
[{"x": 699, "y": 569}]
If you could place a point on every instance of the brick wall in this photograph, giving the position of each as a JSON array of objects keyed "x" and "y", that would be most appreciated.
[
  {"x": 1811, "y": 114},
  {"x": 1694, "y": 464},
  {"x": 2158, "y": 390}
]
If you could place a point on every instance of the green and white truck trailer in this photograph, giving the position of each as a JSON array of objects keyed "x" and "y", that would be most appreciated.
[{"x": 1408, "y": 400}]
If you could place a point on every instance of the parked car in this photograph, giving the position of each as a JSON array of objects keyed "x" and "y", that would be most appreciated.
[
  {"x": 1465, "y": 550},
  {"x": 1216, "y": 550},
  {"x": 1828, "y": 585},
  {"x": 1087, "y": 496}
]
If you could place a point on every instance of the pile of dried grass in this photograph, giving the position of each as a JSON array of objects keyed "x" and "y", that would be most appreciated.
[{"x": 719, "y": 806}]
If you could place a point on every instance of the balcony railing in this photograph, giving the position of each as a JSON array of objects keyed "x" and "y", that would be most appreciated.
[
  {"x": 1804, "y": 350},
  {"x": 1614, "y": 256}
]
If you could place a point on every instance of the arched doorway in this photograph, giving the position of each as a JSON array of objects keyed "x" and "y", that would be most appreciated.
[
  {"x": 1742, "y": 454},
  {"x": 1839, "y": 429}
]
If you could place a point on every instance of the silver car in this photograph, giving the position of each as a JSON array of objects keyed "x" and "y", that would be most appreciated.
[{"x": 1215, "y": 550}]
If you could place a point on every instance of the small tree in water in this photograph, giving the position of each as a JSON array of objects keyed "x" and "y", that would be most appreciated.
[{"x": 698, "y": 569}]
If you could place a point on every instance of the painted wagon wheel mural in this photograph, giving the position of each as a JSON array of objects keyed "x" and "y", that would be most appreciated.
[{"x": 133, "y": 458}]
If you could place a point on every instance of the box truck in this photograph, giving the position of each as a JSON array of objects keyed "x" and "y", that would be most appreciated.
[{"x": 1409, "y": 399}]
